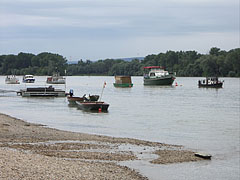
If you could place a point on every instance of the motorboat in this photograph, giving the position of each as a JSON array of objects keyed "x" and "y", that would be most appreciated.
[
  {"x": 28, "y": 79},
  {"x": 93, "y": 105},
  {"x": 158, "y": 76},
  {"x": 56, "y": 79},
  {"x": 12, "y": 79},
  {"x": 210, "y": 82},
  {"x": 73, "y": 99}
]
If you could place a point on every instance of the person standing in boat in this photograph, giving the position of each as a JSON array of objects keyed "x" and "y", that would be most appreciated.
[{"x": 71, "y": 92}]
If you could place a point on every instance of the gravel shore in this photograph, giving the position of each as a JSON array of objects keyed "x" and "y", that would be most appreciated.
[{"x": 33, "y": 151}]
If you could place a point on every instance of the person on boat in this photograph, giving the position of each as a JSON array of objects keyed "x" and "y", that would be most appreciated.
[{"x": 71, "y": 92}]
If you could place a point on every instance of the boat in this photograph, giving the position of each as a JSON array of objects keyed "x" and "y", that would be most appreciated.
[
  {"x": 93, "y": 105},
  {"x": 56, "y": 79},
  {"x": 41, "y": 92},
  {"x": 12, "y": 79},
  {"x": 210, "y": 82},
  {"x": 72, "y": 99},
  {"x": 203, "y": 155},
  {"x": 123, "y": 81},
  {"x": 28, "y": 79},
  {"x": 158, "y": 76}
]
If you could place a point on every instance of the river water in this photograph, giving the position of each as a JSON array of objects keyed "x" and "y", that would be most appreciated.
[{"x": 205, "y": 120}]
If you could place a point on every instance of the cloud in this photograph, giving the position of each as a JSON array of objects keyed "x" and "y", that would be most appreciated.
[{"x": 116, "y": 21}]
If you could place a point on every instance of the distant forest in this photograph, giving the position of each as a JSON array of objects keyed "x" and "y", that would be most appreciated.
[{"x": 185, "y": 63}]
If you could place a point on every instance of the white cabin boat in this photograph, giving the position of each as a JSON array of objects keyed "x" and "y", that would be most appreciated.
[
  {"x": 12, "y": 79},
  {"x": 28, "y": 79},
  {"x": 56, "y": 79}
]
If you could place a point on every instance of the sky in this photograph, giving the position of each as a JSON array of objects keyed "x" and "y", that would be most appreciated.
[{"x": 101, "y": 29}]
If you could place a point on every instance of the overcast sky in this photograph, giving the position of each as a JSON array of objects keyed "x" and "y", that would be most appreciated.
[{"x": 100, "y": 29}]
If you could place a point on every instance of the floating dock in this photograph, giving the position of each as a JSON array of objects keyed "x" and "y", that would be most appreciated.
[{"x": 41, "y": 92}]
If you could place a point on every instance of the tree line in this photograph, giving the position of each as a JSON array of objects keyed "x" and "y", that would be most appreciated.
[
  {"x": 26, "y": 63},
  {"x": 185, "y": 63}
]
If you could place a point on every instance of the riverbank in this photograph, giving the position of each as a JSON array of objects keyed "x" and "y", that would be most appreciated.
[{"x": 33, "y": 151}]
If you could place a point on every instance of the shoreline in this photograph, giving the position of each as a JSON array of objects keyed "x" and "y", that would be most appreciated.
[{"x": 34, "y": 151}]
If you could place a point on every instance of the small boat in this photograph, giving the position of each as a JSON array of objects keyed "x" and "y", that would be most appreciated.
[
  {"x": 203, "y": 155},
  {"x": 93, "y": 105},
  {"x": 28, "y": 79},
  {"x": 210, "y": 82},
  {"x": 158, "y": 76},
  {"x": 56, "y": 79},
  {"x": 123, "y": 81},
  {"x": 72, "y": 99},
  {"x": 41, "y": 92},
  {"x": 12, "y": 79}
]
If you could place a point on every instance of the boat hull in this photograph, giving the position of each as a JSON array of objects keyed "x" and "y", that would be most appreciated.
[
  {"x": 55, "y": 82},
  {"x": 12, "y": 82},
  {"x": 218, "y": 85},
  {"x": 72, "y": 100},
  {"x": 203, "y": 155},
  {"x": 29, "y": 81},
  {"x": 56, "y": 79},
  {"x": 123, "y": 85},
  {"x": 93, "y": 106},
  {"x": 164, "y": 81}
]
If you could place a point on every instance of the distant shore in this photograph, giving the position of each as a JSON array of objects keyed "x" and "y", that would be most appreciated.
[{"x": 33, "y": 151}]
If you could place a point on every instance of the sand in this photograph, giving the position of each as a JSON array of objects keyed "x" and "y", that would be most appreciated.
[{"x": 34, "y": 151}]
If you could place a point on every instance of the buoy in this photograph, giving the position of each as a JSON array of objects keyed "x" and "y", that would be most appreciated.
[
  {"x": 176, "y": 84},
  {"x": 100, "y": 110}
]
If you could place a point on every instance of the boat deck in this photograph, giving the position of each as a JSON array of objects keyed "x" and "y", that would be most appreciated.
[{"x": 42, "y": 92}]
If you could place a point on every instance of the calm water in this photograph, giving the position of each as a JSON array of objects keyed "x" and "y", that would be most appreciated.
[{"x": 201, "y": 119}]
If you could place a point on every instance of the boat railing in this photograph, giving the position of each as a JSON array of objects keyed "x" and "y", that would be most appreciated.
[{"x": 43, "y": 84}]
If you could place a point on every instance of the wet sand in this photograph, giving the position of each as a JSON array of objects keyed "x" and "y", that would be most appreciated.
[{"x": 33, "y": 151}]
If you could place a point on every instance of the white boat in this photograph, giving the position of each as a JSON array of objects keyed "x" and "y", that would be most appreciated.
[
  {"x": 56, "y": 79},
  {"x": 28, "y": 79},
  {"x": 12, "y": 79}
]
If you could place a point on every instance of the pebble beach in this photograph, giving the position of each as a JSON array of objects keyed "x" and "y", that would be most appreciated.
[{"x": 34, "y": 151}]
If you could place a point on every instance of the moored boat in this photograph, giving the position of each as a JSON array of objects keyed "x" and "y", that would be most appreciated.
[
  {"x": 90, "y": 103},
  {"x": 203, "y": 155},
  {"x": 158, "y": 76},
  {"x": 41, "y": 92},
  {"x": 28, "y": 79},
  {"x": 12, "y": 79},
  {"x": 72, "y": 100},
  {"x": 56, "y": 79},
  {"x": 210, "y": 82},
  {"x": 93, "y": 105},
  {"x": 123, "y": 81}
]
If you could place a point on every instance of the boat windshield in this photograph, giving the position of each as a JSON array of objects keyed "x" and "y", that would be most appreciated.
[{"x": 28, "y": 76}]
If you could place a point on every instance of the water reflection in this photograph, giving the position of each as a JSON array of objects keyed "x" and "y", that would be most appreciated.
[{"x": 198, "y": 118}]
